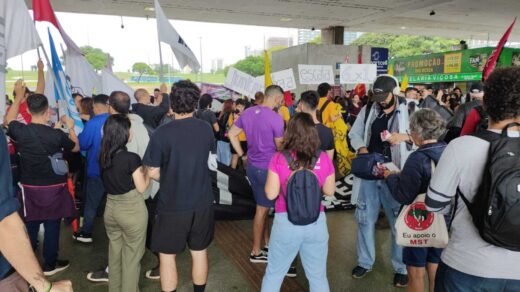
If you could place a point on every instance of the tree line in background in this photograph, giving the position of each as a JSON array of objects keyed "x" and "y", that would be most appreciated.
[{"x": 398, "y": 45}]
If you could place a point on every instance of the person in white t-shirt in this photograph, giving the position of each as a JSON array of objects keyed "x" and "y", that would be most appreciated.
[{"x": 469, "y": 263}]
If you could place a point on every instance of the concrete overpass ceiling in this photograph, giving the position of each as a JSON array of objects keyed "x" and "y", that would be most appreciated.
[{"x": 453, "y": 18}]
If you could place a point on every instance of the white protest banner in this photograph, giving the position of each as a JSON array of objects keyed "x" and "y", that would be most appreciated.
[
  {"x": 284, "y": 79},
  {"x": 243, "y": 83},
  {"x": 315, "y": 74},
  {"x": 357, "y": 73}
]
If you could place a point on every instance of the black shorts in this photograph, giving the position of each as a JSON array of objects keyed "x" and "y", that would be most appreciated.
[
  {"x": 243, "y": 144},
  {"x": 172, "y": 231}
]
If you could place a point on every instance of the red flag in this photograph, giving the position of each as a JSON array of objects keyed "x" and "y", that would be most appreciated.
[
  {"x": 43, "y": 11},
  {"x": 492, "y": 60}
]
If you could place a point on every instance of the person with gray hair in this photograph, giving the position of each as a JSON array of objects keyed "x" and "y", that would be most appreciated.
[{"x": 426, "y": 126}]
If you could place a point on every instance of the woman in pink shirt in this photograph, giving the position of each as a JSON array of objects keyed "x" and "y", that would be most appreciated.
[{"x": 287, "y": 240}]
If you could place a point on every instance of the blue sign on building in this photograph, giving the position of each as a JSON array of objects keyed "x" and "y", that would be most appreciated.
[{"x": 379, "y": 56}]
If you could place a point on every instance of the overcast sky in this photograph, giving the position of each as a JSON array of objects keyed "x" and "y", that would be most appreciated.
[{"x": 137, "y": 42}]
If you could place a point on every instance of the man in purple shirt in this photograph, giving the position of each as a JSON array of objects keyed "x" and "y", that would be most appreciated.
[{"x": 264, "y": 131}]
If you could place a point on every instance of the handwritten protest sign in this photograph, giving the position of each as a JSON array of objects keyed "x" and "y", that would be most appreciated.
[
  {"x": 357, "y": 73},
  {"x": 243, "y": 83},
  {"x": 315, "y": 74}
]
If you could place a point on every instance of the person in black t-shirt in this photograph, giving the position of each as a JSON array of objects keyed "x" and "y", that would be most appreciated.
[
  {"x": 41, "y": 186},
  {"x": 126, "y": 216},
  {"x": 180, "y": 155},
  {"x": 151, "y": 114},
  {"x": 204, "y": 112},
  {"x": 308, "y": 104}
]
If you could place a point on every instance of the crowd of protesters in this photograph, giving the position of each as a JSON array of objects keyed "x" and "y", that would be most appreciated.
[{"x": 152, "y": 162}]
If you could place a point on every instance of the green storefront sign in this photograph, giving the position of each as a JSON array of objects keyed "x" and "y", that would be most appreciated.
[{"x": 456, "y": 66}]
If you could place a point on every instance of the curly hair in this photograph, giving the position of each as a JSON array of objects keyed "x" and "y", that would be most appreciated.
[
  {"x": 184, "y": 97},
  {"x": 427, "y": 124},
  {"x": 502, "y": 94},
  {"x": 301, "y": 138}
]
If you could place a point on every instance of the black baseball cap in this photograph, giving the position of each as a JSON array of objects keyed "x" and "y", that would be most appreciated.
[
  {"x": 477, "y": 87},
  {"x": 382, "y": 87}
]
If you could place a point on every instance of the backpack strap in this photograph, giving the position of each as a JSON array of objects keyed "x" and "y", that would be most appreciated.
[
  {"x": 288, "y": 157},
  {"x": 323, "y": 108},
  {"x": 315, "y": 159}
]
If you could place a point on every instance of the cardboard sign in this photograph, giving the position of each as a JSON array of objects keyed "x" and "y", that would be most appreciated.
[
  {"x": 315, "y": 74},
  {"x": 243, "y": 83},
  {"x": 357, "y": 73},
  {"x": 285, "y": 79}
]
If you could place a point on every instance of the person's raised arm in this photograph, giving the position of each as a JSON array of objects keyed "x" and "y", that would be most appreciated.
[
  {"x": 16, "y": 248},
  {"x": 19, "y": 90},
  {"x": 40, "y": 87},
  {"x": 72, "y": 133}
]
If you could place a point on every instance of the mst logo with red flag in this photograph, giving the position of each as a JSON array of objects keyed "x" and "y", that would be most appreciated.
[{"x": 418, "y": 218}]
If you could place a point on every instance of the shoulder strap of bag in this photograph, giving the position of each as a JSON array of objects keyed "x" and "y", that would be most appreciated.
[
  {"x": 288, "y": 157},
  {"x": 323, "y": 108}
]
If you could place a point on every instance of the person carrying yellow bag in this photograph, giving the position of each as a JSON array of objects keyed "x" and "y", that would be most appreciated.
[{"x": 343, "y": 154}]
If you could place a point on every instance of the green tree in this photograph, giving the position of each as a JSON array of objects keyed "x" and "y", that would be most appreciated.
[
  {"x": 316, "y": 40},
  {"x": 252, "y": 65},
  {"x": 406, "y": 45},
  {"x": 96, "y": 57},
  {"x": 141, "y": 69}
]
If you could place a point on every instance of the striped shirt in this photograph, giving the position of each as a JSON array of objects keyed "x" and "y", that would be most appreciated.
[{"x": 462, "y": 165}]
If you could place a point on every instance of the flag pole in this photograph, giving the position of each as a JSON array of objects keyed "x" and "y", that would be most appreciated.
[{"x": 161, "y": 74}]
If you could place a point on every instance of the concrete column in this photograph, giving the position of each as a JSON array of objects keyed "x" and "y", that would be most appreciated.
[{"x": 332, "y": 35}]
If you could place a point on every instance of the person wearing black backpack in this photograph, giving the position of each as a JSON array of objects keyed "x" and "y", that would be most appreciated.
[
  {"x": 482, "y": 173},
  {"x": 297, "y": 178}
]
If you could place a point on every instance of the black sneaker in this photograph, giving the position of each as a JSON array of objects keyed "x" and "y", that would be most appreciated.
[
  {"x": 82, "y": 237},
  {"x": 359, "y": 272},
  {"x": 153, "y": 274},
  {"x": 98, "y": 276},
  {"x": 265, "y": 249},
  {"x": 259, "y": 258},
  {"x": 60, "y": 266},
  {"x": 292, "y": 273},
  {"x": 400, "y": 280}
]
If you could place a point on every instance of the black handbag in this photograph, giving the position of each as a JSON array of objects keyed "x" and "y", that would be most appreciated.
[{"x": 363, "y": 165}]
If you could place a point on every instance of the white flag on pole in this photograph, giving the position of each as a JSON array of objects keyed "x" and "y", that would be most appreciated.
[
  {"x": 83, "y": 78},
  {"x": 17, "y": 36},
  {"x": 169, "y": 35},
  {"x": 111, "y": 83}
]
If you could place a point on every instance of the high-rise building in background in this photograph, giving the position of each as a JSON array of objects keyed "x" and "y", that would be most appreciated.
[
  {"x": 217, "y": 65},
  {"x": 349, "y": 37},
  {"x": 251, "y": 52},
  {"x": 279, "y": 42},
  {"x": 307, "y": 35}
]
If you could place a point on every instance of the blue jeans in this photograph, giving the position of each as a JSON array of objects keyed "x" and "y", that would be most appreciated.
[
  {"x": 51, "y": 239},
  {"x": 95, "y": 194},
  {"x": 451, "y": 280},
  {"x": 373, "y": 194},
  {"x": 287, "y": 239}
]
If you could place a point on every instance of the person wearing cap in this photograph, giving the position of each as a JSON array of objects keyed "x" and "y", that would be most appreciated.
[
  {"x": 476, "y": 93},
  {"x": 389, "y": 113},
  {"x": 90, "y": 141}
]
